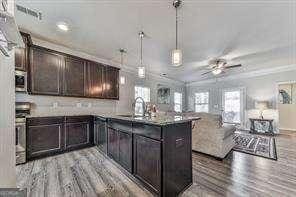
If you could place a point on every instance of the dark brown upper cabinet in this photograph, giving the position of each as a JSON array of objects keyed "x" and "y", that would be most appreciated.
[
  {"x": 111, "y": 83},
  {"x": 21, "y": 54},
  {"x": 74, "y": 77},
  {"x": 45, "y": 72},
  {"x": 95, "y": 79},
  {"x": 58, "y": 74}
]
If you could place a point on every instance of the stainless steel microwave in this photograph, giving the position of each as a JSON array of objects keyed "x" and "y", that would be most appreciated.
[{"x": 20, "y": 81}]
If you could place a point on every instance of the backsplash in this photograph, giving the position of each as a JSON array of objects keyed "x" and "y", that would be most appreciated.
[{"x": 55, "y": 106}]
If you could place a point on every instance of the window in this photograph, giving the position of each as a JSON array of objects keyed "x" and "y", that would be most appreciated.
[
  {"x": 178, "y": 102},
  {"x": 144, "y": 93},
  {"x": 202, "y": 102},
  {"x": 232, "y": 106}
]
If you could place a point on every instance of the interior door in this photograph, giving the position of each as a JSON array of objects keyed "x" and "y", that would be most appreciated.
[{"x": 233, "y": 105}]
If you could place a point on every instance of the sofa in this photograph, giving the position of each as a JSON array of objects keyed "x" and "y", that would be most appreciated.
[{"x": 210, "y": 136}]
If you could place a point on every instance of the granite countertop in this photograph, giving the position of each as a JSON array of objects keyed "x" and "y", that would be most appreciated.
[{"x": 157, "y": 120}]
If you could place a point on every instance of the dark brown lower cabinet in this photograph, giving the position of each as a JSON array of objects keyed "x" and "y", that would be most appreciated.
[
  {"x": 100, "y": 134},
  {"x": 147, "y": 162},
  {"x": 44, "y": 136},
  {"x": 125, "y": 150},
  {"x": 120, "y": 147},
  {"x": 113, "y": 145},
  {"x": 51, "y": 135},
  {"x": 77, "y": 135}
]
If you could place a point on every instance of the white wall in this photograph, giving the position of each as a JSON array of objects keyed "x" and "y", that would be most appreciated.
[
  {"x": 287, "y": 112},
  {"x": 259, "y": 88},
  {"x": 43, "y": 105},
  {"x": 7, "y": 119}
]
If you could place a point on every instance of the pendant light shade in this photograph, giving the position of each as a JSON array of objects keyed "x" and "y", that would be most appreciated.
[
  {"x": 176, "y": 53},
  {"x": 141, "y": 72},
  {"x": 141, "y": 68},
  {"x": 177, "y": 57},
  {"x": 122, "y": 51}
]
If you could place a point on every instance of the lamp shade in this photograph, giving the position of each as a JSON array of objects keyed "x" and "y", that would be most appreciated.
[{"x": 261, "y": 105}]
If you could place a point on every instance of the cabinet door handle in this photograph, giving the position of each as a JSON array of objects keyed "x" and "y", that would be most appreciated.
[{"x": 179, "y": 142}]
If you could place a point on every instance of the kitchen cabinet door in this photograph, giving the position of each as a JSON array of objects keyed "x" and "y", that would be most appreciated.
[
  {"x": 44, "y": 136},
  {"x": 113, "y": 145},
  {"x": 111, "y": 83},
  {"x": 95, "y": 79},
  {"x": 74, "y": 77},
  {"x": 147, "y": 162},
  {"x": 21, "y": 54},
  {"x": 77, "y": 135},
  {"x": 45, "y": 72},
  {"x": 125, "y": 150},
  {"x": 101, "y": 135}
]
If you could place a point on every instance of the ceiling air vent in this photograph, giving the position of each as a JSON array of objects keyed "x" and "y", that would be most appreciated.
[{"x": 28, "y": 11}]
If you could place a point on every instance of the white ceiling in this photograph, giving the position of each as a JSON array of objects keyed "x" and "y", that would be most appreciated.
[{"x": 256, "y": 33}]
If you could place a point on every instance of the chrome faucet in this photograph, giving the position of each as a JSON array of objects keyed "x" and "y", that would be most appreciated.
[{"x": 143, "y": 105}]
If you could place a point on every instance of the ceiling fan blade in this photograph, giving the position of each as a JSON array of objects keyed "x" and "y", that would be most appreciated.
[
  {"x": 233, "y": 66},
  {"x": 206, "y": 72}
]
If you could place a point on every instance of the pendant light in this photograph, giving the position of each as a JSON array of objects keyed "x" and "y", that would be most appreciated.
[
  {"x": 141, "y": 68},
  {"x": 177, "y": 53},
  {"x": 122, "y": 51}
]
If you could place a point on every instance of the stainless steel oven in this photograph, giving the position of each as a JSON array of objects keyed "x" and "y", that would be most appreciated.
[
  {"x": 20, "y": 81},
  {"x": 22, "y": 109}
]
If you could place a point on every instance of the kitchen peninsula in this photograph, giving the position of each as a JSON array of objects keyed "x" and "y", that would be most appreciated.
[{"x": 155, "y": 150}]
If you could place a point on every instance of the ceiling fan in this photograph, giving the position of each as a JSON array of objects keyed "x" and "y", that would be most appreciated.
[{"x": 219, "y": 66}]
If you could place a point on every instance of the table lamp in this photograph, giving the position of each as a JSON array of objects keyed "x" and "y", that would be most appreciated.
[{"x": 261, "y": 106}]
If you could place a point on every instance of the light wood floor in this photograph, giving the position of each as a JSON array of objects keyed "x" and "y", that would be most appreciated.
[{"x": 88, "y": 173}]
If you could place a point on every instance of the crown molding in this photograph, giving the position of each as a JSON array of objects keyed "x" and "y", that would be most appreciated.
[{"x": 251, "y": 74}]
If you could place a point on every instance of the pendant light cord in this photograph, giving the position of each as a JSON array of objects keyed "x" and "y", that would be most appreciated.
[
  {"x": 176, "y": 27},
  {"x": 121, "y": 58},
  {"x": 141, "y": 55}
]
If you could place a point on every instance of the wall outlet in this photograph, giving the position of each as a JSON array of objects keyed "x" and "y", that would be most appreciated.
[
  {"x": 55, "y": 104},
  {"x": 78, "y": 105}
]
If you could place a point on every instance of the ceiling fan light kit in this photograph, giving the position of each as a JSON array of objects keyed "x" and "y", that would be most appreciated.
[
  {"x": 177, "y": 53},
  {"x": 219, "y": 66},
  {"x": 217, "y": 71}
]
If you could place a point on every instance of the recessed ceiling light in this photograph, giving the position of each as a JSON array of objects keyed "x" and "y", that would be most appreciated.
[{"x": 63, "y": 26}]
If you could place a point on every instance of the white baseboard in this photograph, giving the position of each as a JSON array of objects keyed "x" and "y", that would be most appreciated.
[{"x": 288, "y": 129}]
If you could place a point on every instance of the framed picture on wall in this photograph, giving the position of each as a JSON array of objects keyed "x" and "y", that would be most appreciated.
[
  {"x": 287, "y": 93},
  {"x": 163, "y": 94},
  {"x": 4, "y": 5}
]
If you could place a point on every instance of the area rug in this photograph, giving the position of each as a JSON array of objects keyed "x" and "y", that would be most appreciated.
[{"x": 263, "y": 146}]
